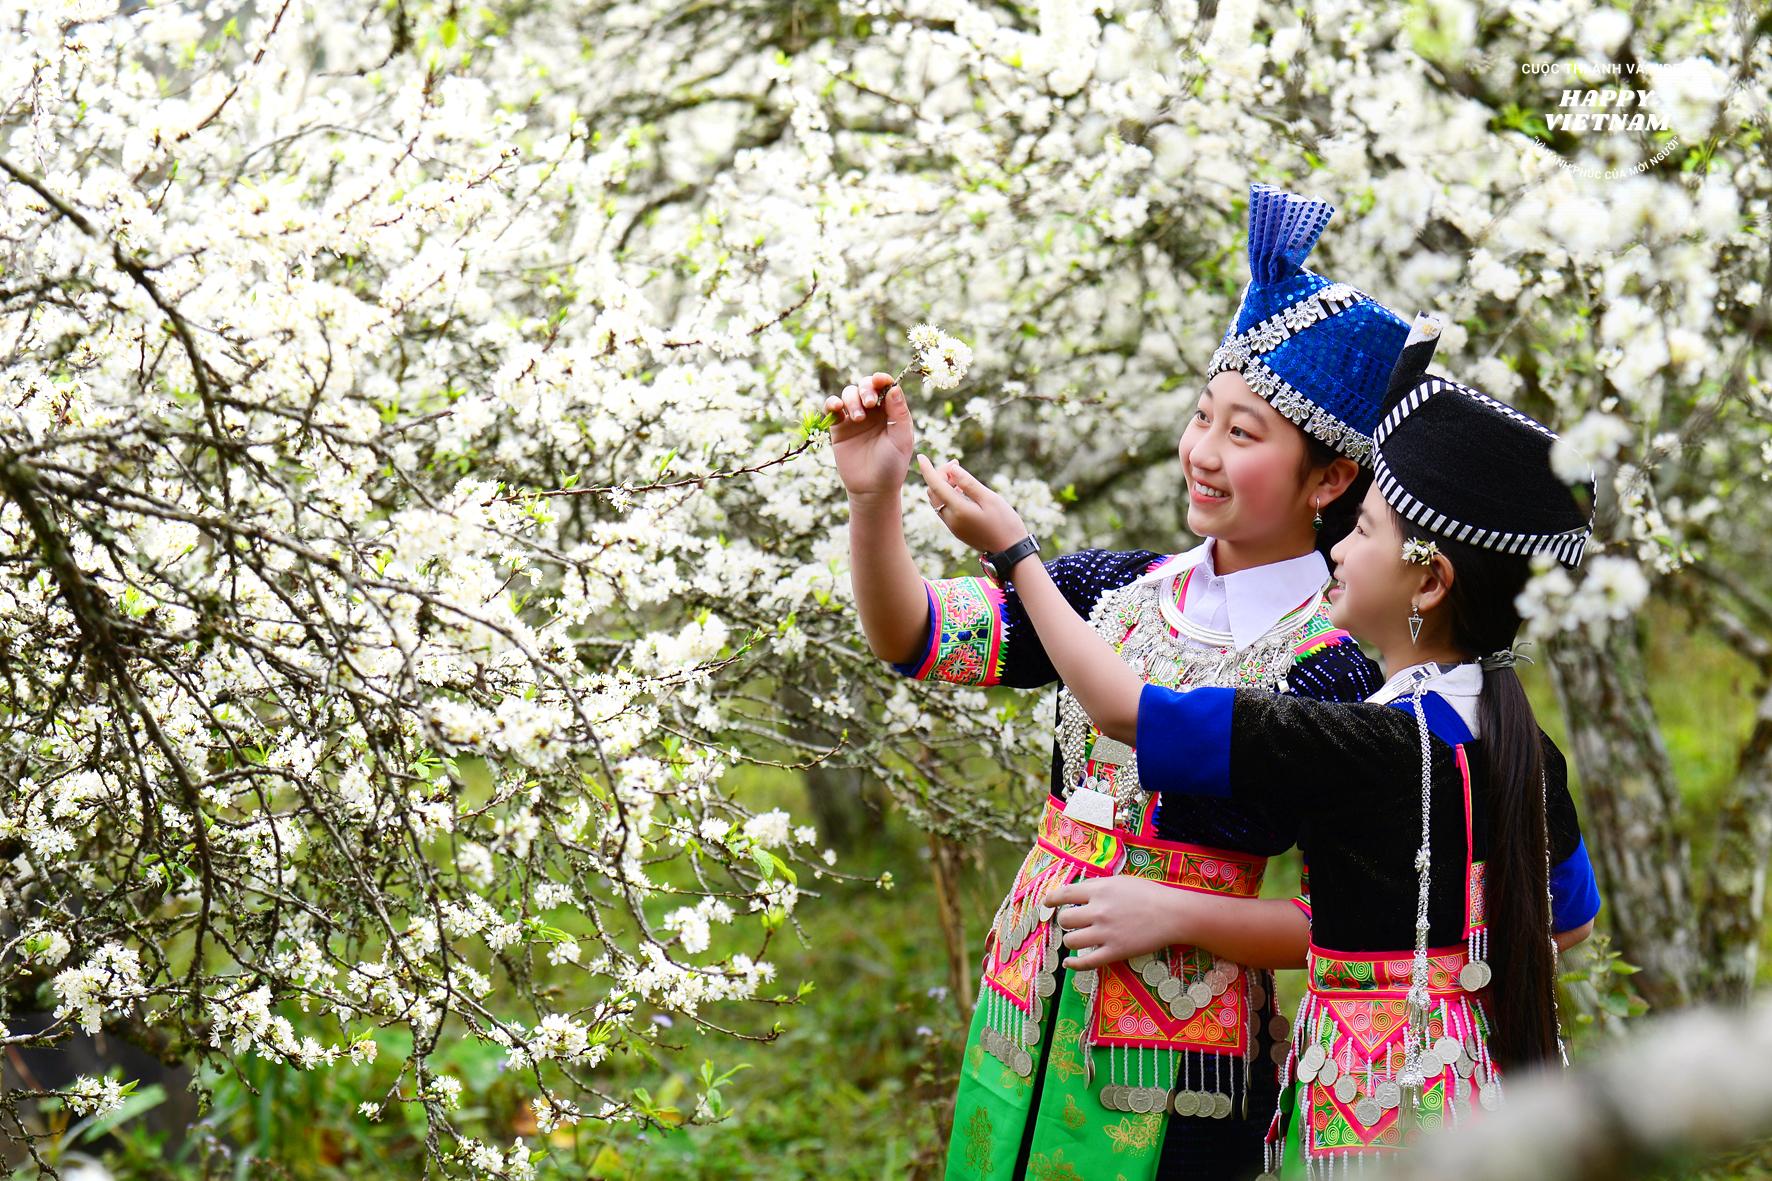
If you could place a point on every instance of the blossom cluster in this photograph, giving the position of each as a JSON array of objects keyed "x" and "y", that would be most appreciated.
[{"x": 942, "y": 359}]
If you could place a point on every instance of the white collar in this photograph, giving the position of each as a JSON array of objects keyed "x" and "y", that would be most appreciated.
[
  {"x": 1459, "y": 684},
  {"x": 1257, "y": 597}
]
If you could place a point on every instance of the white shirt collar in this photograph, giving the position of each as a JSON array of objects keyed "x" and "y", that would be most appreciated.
[
  {"x": 1459, "y": 684},
  {"x": 1251, "y": 600}
]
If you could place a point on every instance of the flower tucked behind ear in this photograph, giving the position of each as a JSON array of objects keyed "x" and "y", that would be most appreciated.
[{"x": 1417, "y": 550}]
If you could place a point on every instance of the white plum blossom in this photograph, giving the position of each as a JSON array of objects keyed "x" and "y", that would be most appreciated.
[
  {"x": 942, "y": 359},
  {"x": 94, "y": 1096},
  {"x": 1607, "y": 588},
  {"x": 552, "y": 1113},
  {"x": 445, "y": 1089},
  {"x": 559, "y": 1036},
  {"x": 109, "y": 980},
  {"x": 769, "y": 829},
  {"x": 1588, "y": 445},
  {"x": 45, "y": 944}
]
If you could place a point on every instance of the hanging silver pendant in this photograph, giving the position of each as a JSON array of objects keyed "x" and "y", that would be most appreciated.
[{"x": 1089, "y": 806}]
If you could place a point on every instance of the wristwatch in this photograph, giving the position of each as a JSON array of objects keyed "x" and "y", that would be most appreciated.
[{"x": 998, "y": 565}]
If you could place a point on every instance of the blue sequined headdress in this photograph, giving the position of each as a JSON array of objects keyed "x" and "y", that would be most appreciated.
[{"x": 1320, "y": 352}]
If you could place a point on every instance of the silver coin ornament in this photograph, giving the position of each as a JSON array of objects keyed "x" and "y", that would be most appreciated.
[
  {"x": 1367, "y": 1111},
  {"x": 1328, "y": 1073},
  {"x": 1221, "y": 1106},
  {"x": 1187, "y": 1103},
  {"x": 1389, "y": 1095},
  {"x": 1347, "y": 1088}
]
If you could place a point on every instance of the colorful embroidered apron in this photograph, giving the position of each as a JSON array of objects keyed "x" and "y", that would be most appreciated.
[
  {"x": 1117, "y": 1050},
  {"x": 1120, "y": 1045},
  {"x": 1344, "y": 1096}
]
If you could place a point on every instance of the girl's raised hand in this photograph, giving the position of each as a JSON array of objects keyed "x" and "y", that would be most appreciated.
[
  {"x": 872, "y": 438},
  {"x": 972, "y": 512}
]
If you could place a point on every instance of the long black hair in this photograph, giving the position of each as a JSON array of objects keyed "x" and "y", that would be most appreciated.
[
  {"x": 1339, "y": 514},
  {"x": 1480, "y": 605}
]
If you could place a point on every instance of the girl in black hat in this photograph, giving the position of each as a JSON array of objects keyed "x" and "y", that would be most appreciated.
[{"x": 1432, "y": 814}]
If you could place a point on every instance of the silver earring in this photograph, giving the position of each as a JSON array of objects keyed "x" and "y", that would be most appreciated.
[
  {"x": 1414, "y": 623},
  {"x": 1317, "y": 517}
]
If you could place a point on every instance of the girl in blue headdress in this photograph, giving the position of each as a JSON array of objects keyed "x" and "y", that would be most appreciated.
[{"x": 1162, "y": 1063}]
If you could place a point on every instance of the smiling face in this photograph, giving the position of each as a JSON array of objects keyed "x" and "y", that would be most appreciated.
[
  {"x": 1248, "y": 477},
  {"x": 1374, "y": 587}
]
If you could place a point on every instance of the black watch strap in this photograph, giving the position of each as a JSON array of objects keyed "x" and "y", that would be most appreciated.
[{"x": 999, "y": 564}]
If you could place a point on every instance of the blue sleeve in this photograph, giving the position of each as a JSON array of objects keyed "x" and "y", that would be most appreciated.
[
  {"x": 1184, "y": 740},
  {"x": 1575, "y": 896}
]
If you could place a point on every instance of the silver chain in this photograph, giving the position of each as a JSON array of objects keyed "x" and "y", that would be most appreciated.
[{"x": 1418, "y": 998}]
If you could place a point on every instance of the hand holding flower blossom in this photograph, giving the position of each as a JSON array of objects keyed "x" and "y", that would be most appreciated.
[{"x": 871, "y": 432}]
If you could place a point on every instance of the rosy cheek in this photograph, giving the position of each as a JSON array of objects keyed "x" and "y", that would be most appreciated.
[{"x": 1247, "y": 472}]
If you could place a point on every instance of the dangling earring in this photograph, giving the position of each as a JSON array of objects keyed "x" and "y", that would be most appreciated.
[
  {"x": 1414, "y": 622},
  {"x": 1317, "y": 519}
]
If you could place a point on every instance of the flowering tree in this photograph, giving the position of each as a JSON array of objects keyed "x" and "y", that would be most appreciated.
[{"x": 413, "y": 506}]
